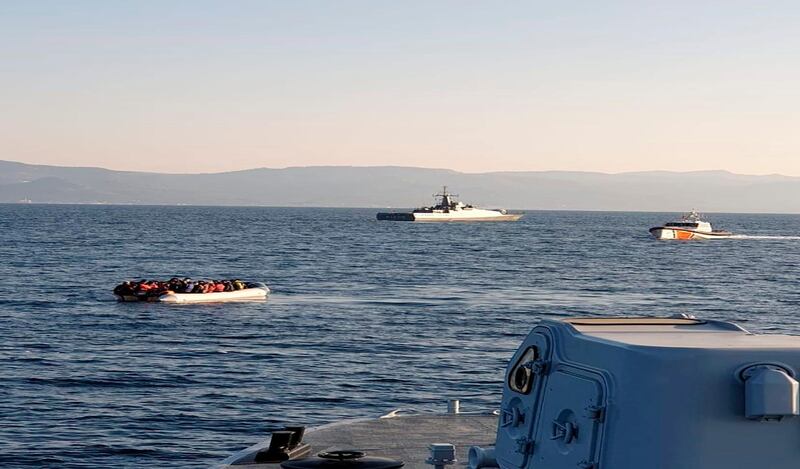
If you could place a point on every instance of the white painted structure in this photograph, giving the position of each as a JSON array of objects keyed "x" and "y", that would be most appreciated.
[{"x": 252, "y": 293}]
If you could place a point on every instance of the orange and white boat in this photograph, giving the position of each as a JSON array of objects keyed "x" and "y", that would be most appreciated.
[{"x": 690, "y": 226}]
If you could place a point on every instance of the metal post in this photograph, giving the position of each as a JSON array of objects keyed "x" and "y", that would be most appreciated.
[{"x": 453, "y": 406}]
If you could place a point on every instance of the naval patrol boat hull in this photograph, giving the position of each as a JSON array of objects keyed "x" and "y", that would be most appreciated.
[
  {"x": 690, "y": 226},
  {"x": 401, "y": 437},
  {"x": 445, "y": 218},
  {"x": 662, "y": 232}
]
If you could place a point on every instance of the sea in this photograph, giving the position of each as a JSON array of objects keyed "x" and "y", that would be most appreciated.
[{"x": 364, "y": 317}]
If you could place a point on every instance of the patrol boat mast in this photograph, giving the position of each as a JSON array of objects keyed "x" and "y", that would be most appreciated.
[{"x": 445, "y": 202}]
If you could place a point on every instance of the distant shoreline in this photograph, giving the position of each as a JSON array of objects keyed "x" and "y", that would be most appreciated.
[
  {"x": 380, "y": 187},
  {"x": 308, "y": 207}
]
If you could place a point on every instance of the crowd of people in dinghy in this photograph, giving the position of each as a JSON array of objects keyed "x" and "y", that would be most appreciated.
[{"x": 150, "y": 288}]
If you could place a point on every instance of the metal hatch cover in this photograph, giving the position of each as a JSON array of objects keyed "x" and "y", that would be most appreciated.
[{"x": 570, "y": 432}]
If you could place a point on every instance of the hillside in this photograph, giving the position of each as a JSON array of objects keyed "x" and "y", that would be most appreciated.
[{"x": 341, "y": 186}]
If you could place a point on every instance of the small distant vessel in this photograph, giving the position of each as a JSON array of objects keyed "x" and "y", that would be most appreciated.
[
  {"x": 449, "y": 209},
  {"x": 690, "y": 226},
  {"x": 164, "y": 293}
]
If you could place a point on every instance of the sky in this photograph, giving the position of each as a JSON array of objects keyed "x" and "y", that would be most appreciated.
[{"x": 205, "y": 86}]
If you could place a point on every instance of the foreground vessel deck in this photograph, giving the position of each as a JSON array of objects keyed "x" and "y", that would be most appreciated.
[{"x": 398, "y": 437}]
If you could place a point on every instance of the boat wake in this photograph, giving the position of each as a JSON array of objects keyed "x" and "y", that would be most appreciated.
[{"x": 743, "y": 236}]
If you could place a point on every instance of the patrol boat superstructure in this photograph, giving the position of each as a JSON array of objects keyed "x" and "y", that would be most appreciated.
[
  {"x": 450, "y": 209},
  {"x": 595, "y": 393}
]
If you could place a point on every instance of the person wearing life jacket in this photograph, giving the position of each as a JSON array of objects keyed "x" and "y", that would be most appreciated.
[
  {"x": 142, "y": 287},
  {"x": 160, "y": 288},
  {"x": 150, "y": 288},
  {"x": 124, "y": 289}
]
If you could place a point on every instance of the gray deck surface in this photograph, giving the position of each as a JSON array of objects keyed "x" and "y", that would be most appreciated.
[{"x": 404, "y": 437}]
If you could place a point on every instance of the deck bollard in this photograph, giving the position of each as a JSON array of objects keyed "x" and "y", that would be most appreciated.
[{"x": 453, "y": 406}]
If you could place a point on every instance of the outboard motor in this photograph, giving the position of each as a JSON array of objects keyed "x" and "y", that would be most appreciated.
[{"x": 656, "y": 393}]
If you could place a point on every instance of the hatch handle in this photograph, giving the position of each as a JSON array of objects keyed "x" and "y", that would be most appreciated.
[
  {"x": 512, "y": 417},
  {"x": 566, "y": 431}
]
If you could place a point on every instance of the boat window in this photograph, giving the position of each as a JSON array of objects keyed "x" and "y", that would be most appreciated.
[
  {"x": 682, "y": 225},
  {"x": 520, "y": 379}
]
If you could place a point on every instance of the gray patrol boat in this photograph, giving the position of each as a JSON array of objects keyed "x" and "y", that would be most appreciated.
[
  {"x": 449, "y": 209},
  {"x": 591, "y": 393}
]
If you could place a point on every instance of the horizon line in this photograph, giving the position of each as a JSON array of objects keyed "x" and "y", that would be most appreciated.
[{"x": 315, "y": 207}]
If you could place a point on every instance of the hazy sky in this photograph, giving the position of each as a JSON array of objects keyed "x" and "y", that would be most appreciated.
[{"x": 194, "y": 86}]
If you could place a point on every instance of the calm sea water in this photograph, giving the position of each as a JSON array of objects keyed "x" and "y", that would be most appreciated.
[{"x": 365, "y": 316}]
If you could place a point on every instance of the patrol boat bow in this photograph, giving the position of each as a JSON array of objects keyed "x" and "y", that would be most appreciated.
[
  {"x": 449, "y": 209},
  {"x": 595, "y": 393}
]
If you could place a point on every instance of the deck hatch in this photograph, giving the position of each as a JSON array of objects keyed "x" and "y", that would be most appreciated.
[{"x": 571, "y": 425}]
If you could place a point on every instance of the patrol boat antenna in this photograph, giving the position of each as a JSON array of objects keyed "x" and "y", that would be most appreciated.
[{"x": 446, "y": 198}]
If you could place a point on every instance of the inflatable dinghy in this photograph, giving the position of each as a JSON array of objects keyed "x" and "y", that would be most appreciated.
[{"x": 254, "y": 291}]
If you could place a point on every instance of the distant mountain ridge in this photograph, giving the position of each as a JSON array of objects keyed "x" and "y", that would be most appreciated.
[{"x": 395, "y": 186}]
